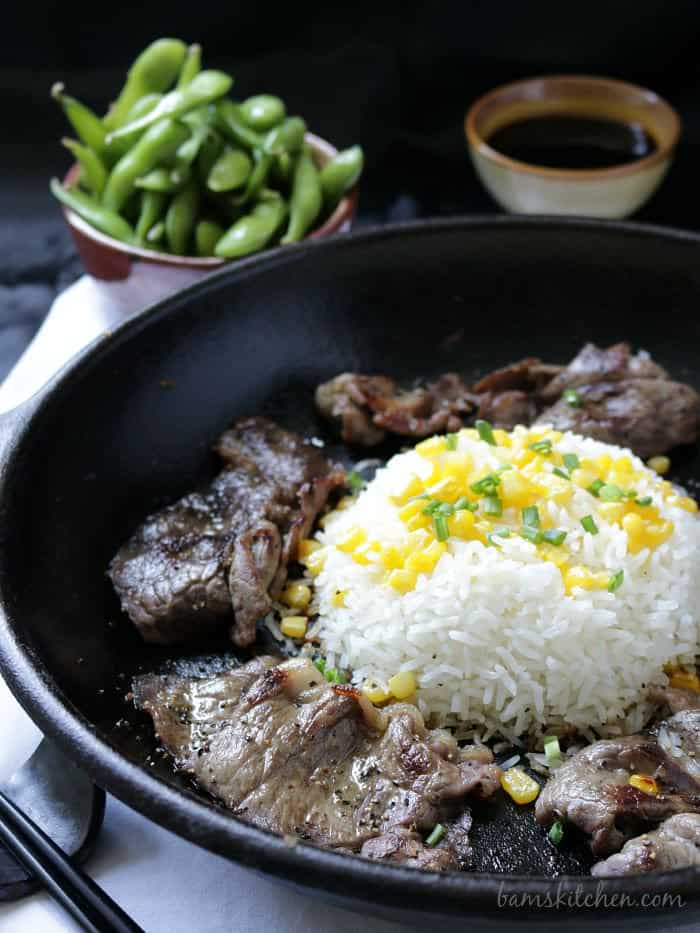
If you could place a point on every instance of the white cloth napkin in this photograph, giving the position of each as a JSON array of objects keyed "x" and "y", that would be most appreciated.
[{"x": 162, "y": 881}]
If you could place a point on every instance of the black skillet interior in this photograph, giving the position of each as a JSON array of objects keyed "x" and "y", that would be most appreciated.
[{"x": 130, "y": 428}]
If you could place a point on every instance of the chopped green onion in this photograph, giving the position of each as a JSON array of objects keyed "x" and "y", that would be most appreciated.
[
  {"x": 595, "y": 487},
  {"x": 436, "y": 835},
  {"x": 451, "y": 441},
  {"x": 504, "y": 467},
  {"x": 320, "y": 664},
  {"x": 589, "y": 525},
  {"x": 432, "y": 507},
  {"x": 542, "y": 447},
  {"x": 572, "y": 398},
  {"x": 616, "y": 581},
  {"x": 608, "y": 492},
  {"x": 445, "y": 509},
  {"x": 465, "y": 503},
  {"x": 493, "y": 506},
  {"x": 485, "y": 432},
  {"x": 645, "y": 500},
  {"x": 334, "y": 676},
  {"x": 501, "y": 533},
  {"x": 530, "y": 533},
  {"x": 552, "y": 750},
  {"x": 487, "y": 485},
  {"x": 355, "y": 481},
  {"x": 556, "y": 833},
  {"x": 562, "y": 473},
  {"x": 442, "y": 531},
  {"x": 531, "y": 516},
  {"x": 629, "y": 494},
  {"x": 571, "y": 462},
  {"x": 554, "y": 536}
]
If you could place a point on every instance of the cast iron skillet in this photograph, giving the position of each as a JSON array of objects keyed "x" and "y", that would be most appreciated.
[{"x": 128, "y": 426}]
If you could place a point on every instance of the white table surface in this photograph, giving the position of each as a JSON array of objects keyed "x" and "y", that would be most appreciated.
[{"x": 162, "y": 881}]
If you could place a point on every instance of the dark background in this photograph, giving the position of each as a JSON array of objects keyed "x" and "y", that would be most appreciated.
[{"x": 397, "y": 77}]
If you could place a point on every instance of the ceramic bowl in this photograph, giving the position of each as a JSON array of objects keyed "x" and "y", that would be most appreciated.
[
  {"x": 110, "y": 260},
  {"x": 533, "y": 189}
]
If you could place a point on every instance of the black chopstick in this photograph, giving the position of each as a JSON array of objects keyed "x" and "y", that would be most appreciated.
[{"x": 65, "y": 882}]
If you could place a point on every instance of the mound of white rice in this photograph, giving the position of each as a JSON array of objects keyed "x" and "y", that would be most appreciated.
[{"x": 491, "y": 635}]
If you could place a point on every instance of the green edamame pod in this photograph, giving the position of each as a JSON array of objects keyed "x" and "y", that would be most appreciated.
[
  {"x": 306, "y": 200},
  {"x": 254, "y": 231},
  {"x": 283, "y": 167},
  {"x": 93, "y": 212},
  {"x": 152, "y": 209},
  {"x": 156, "y": 233},
  {"x": 204, "y": 88},
  {"x": 207, "y": 234},
  {"x": 256, "y": 179},
  {"x": 85, "y": 122},
  {"x": 153, "y": 71},
  {"x": 189, "y": 150},
  {"x": 339, "y": 175},
  {"x": 155, "y": 146},
  {"x": 232, "y": 124},
  {"x": 191, "y": 66},
  {"x": 118, "y": 147},
  {"x": 287, "y": 137},
  {"x": 163, "y": 180},
  {"x": 263, "y": 111},
  {"x": 231, "y": 170},
  {"x": 91, "y": 165},
  {"x": 181, "y": 217},
  {"x": 209, "y": 152}
]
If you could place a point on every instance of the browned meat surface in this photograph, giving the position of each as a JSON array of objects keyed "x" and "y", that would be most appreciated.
[
  {"x": 287, "y": 751},
  {"x": 219, "y": 554},
  {"x": 592, "y": 788},
  {"x": 408, "y": 848},
  {"x": 529, "y": 375},
  {"x": 593, "y": 364},
  {"x": 648, "y": 415},
  {"x": 674, "y": 699},
  {"x": 675, "y": 844},
  {"x": 366, "y": 408}
]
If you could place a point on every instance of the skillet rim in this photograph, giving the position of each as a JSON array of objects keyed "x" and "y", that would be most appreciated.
[{"x": 189, "y": 815}]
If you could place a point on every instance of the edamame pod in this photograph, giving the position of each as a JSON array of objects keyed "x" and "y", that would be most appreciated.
[
  {"x": 256, "y": 179},
  {"x": 209, "y": 152},
  {"x": 156, "y": 233},
  {"x": 153, "y": 71},
  {"x": 231, "y": 170},
  {"x": 91, "y": 165},
  {"x": 207, "y": 234},
  {"x": 287, "y": 137},
  {"x": 339, "y": 175},
  {"x": 93, "y": 212},
  {"x": 191, "y": 66},
  {"x": 181, "y": 218},
  {"x": 116, "y": 148},
  {"x": 263, "y": 111},
  {"x": 85, "y": 122},
  {"x": 254, "y": 231},
  {"x": 152, "y": 208},
  {"x": 204, "y": 88},
  {"x": 158, "y": 144},
  {"x": 306, "y": 200},
  {"x": 232, "y": 124},
  {"x": 163, "y": 180}
]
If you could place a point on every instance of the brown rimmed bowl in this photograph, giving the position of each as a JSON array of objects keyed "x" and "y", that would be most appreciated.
[
  {"x": 110, "y": 260},
  {"x": 613, "y": 192}
]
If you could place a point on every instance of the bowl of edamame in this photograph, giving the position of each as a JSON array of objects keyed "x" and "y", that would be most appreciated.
[{"x": 179, "y": 175}]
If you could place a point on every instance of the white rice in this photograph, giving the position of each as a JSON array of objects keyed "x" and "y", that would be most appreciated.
[{"x": 493, "y": 639}]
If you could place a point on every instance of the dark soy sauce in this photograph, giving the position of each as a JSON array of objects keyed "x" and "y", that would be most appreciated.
[{"x": 573, "y": 142}]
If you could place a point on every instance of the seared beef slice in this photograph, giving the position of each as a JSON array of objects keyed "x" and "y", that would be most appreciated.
[
  {"x": 287, "y": 751},
  {"x": 225, "y": 549}
]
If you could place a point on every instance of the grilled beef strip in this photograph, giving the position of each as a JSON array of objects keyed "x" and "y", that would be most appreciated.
[
  {"x": 674, "y": 699},
  {"x": 675, "y": 844},
  {"x": 592, "y": 788},
  {"x": 221, "y": 554},
  {"x": 287, "y": 751}
]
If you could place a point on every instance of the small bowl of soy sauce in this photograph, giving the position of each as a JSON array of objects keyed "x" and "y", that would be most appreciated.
[{"x": 572, "y": 144}]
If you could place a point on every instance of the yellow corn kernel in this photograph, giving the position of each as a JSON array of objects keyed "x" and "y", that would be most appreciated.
[
  {"x": 583, "y": 477},
  {"x": 402, "y": 685},
  {"x": 555, "y": 555},
  {"x": 415, "y": 507},
  {"x": 296, "y": 595},
  {"x": 351, "y": 539},
  {"x": 660, "y": 465},
  {"x": 684, "y": 680},
  {"x": 414, "y": 487},
  {"x": 432, "y": 446},
  {"x": 556, "y": 488},
  {"x": 645, "y": 783},
  {"x": 525, "y": 456},
  {"x": 446, "y": 489},
  {"x": 401, "y": 580},
  {"x": 624, "y": 466},
  {"x": 636, "y": 533},
  {"x": 418, "y": 521},
  {"x": 366, "y": 554},
  {"x": 603, "y": 463},
  {"x": 461, "y": 524},
  {"x": 294, "y": 626},
  {"x": 374, "y": 693},
  {"x": 658, "y": 532},
  {"x": 457, "y": 466},
  {"x": 516, "y": 490},
  {"x": 502, "y": 438},
  {"x": 307, "y": 546},
  {"x": 683, "y": 502},
  {"x": 315, "y": 561},
  {"x": 519, "y": 785},
  {"x": 390, "y": 557},
  {"x": 425, "y": 561},
  {"x": 612, "y": 512},
  {"x": 338, "y": 599},
  {"x": 584, "y": 578}
]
